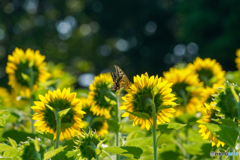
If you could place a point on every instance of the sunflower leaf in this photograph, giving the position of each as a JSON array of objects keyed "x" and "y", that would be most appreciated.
[
  {"x": 224, "y": 133},
  {"x": 63, "y": 112},
  {"x": 154, "y": 91},
  {"x": 140, "y": 115},
  {"x": 52, "y": 153},
  {"x": 4, "y": 148},
  {"x": 128, "y": 151},
  {"x": 110, "y": 101},
  {"x": 36, "y": 144},
  {"x": 3, "y": 118},
  {"x": 46, "y": 135},
  {"x": 51, "y": 108},
  {"x": 168, "y": 127},
  {"x": 12, "y": 142},
  {"x": 113, "y": 125}
]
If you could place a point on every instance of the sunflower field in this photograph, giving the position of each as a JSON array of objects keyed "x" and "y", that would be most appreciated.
[
  {"x": 191, "y": 112},
  {"x": 119, "y": 80}
]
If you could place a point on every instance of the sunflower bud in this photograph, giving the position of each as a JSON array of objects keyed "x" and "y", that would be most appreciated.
[
  {"x": 228, "y": 100},
  {"x": 88, "y": 144},
  {"x": 32, "y": 149}
]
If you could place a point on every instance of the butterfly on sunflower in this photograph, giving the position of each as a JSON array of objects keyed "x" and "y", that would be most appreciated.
[{"x": 120, "y": 79}]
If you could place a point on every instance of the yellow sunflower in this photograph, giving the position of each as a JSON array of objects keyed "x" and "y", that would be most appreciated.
[
  {"x": 139, "y": 91},
  {"x": 206, "y": 94},
  {"x": 5, "y": 99},
  {"x": 71, "y": 123},
  {"x": 182, "y": 79},
  {"x": 237, "y": 60},
  {"x": 97, "y": 124},
  {"x": 19, "y": 66},
  {"x": 209, "y": 70},
  {"x": 206, "y": 118},
  {"x": 98, "y": 89}
]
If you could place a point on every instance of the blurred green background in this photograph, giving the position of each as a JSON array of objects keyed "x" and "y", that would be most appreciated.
[{"x": 90, "y": 36}]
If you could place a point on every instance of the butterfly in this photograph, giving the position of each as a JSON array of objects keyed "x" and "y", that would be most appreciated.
[{"x": 120, "y": 79}]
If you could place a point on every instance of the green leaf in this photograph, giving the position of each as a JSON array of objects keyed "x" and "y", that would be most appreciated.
[
  {"x": 46, "y": 135},
  {"x": 110, "y": 101},
  {"x": 12, "y": 142},
  {"x": 224, "y": 133},
  {"x": 149, "y": 148},
  {"x": 168, "y": 127},
  {"x": 47, "y": 83},
  {"x": 70, "y": 145},
  {"x": 155, "y": 91},
  {"x": 52, "y": 153},
  {"x": 51, "y": 108},
  {"x": 4, "y": 148},
  {"x": 10, "y": 154},
  {"x": 17, "y": 135},
  {"x": 63, "y": 112},
  {"x": 140, "y": 114},
  {"x": 3, "y": 118},
  {"x": 25, "y": 77},
  {"x": 113, "y": 125},
  {"x": 198, "y": 149},
  {"x": 36, "y": 144},
  {"x": 136, "y": 134},
  {"x": 161, "y": 107},
  {"x": 128, "y": 151}
]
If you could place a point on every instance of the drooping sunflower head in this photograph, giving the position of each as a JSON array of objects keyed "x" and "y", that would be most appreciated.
[
  {"x": 209, "y": 70},
  {"x": 71, "y": 123},
  {"x": 28, "y": 149},
  {"x": 5, "y": 99},
  {"x": 100, "y": 88},
  {"x": 140, "y": 91},
  {"x": 21, "y": 66},
  {"x": 186, "y": 86},
  {"x": 208, "y": 114},
  {"x": 87, "y": 144},
  {"x": 226, "y": 100},
  {"x": 96, "y": 123},
  {"x": 237, "y": 60}
]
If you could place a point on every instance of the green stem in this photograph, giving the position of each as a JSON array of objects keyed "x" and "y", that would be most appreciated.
[
  {"x": 107, "y": 154},
  {"x": 31, "y": 98},
  {"x": 117, "y": 119},
  {"x": 231, "y": 150},
  {"x": 154, "y": 131},
  {"x": 58, "y": 120}
]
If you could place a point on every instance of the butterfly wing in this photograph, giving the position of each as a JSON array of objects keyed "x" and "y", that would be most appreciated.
[{"x": 120, "y": 79}]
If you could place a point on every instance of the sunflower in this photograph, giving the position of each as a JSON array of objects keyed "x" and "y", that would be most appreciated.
[
  {"x": 210, "y": 71},
  {"x": 98, "y": 89},
  {"x": 71, "y": 123},
  {"x": 87, "y": 144},
  {"x": 19, "y": 67},
  {"x": 206, "y": 94},
  {"x": 237, "y": 60},
  {"x": 97, "y": 124},
  {"x": 182, "y": 80},
  {"x": 5, "y": 99},
  {"x": 206, "y": 118},
  {"x": 137, "y": 94}
]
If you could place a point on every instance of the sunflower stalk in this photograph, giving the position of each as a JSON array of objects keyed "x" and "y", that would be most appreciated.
[
  {"x": 117, "y": 119},
  {"x": 58, "y": 120},
  {"x": 31, "y": 97},
  {"x": 154, "y": 130},
  {"x": 185, "y": 99}
]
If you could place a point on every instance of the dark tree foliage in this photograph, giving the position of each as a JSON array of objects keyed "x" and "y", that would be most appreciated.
[{"x": 93, "y": 35}]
